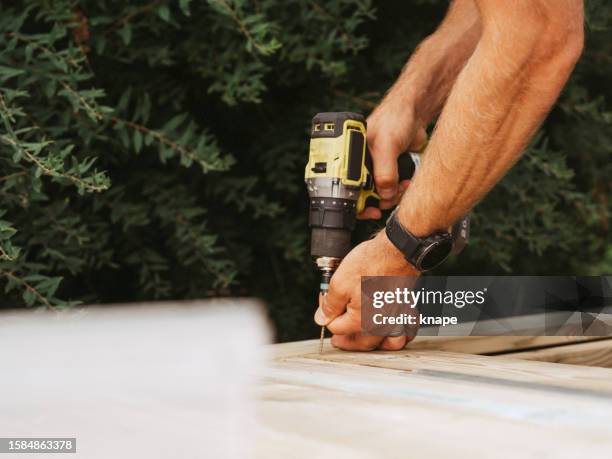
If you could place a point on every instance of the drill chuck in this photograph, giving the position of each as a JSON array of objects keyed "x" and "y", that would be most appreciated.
[
  {"x": 332, "y": 212},
  {"x": 331, "y": 220},
  {"x": 327, "y": 265},
  {"x": 330, "y": 242}
]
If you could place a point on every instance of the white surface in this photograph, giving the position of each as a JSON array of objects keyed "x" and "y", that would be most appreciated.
[{"x": 144, "y": 381}]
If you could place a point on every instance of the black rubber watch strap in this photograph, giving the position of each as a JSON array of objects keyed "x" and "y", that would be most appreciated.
[{"x": 401, "y": 238}]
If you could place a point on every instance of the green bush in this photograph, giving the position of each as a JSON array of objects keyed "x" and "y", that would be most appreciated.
[{"x": 156, "y": 150}]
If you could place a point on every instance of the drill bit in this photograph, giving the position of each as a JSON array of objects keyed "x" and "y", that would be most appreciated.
[
  {"x": 321, "y": 339},
  {"x": 326, "y": 275}
]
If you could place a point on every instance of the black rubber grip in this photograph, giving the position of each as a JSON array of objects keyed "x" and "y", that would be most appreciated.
[
  {"x": 405, "y": 166},
  {"x": 405, "y": 169},
  {"x": 371, "y": 201}
]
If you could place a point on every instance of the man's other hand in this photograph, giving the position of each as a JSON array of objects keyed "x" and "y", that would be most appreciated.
[{"x": 340, "y": 309}]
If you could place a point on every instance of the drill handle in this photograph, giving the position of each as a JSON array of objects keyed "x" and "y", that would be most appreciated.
[{"x": 407, "y": 164}]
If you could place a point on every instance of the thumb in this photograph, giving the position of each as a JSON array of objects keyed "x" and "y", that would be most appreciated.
[{"x": 331, "y": 305}]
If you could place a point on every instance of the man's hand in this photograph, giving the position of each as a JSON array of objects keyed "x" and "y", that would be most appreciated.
[
  {"x": 392, "y": 130},
  {"x": 340, "y": 309}
]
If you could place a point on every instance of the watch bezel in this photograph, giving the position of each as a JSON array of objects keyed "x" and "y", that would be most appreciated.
[{"x": 429, "y": 246}]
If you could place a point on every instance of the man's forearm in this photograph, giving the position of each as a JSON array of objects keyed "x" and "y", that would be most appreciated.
[
  {"x": 433, "y": 68},
  {"x": 525, "y": 54}
]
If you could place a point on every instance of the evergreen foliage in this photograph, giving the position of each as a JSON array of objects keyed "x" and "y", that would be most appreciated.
[{"x": 155, "y": 149}]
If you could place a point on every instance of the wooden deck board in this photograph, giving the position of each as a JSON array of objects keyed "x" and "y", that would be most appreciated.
[
  {"x": 593, "y": 353},
  {"x": 430, "y": 403},
  {"x": 462, "y": 344}
]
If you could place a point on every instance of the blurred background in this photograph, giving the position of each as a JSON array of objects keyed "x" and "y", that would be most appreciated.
[{"x": 154, "y": 150}]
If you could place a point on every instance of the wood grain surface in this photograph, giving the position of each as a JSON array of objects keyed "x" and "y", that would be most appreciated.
[
  {"x": 423, "y": 402},
  {"x": 462, "y": 344},
  {"x": 593, "y": 353}
]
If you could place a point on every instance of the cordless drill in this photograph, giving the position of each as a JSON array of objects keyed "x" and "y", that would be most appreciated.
[
  {"x": 340, "y": 185},
  {"x": 339, "y": 177}
]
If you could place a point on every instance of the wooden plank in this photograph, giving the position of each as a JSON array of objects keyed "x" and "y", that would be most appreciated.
[
  {"x": 594, "y": 353},
  {"x": 497, "y": 339},
  {"x": 432, "y": 404},
  {"x": 423, "y": 401},
  {"x": 462, "y": 344},
  {"x": 483, "y": 369},
  {"x": 490, "y": 344},
  {"x": 558, "y": 323}
]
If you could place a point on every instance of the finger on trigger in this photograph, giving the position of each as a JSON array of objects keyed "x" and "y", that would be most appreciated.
[
  {"x": 403, "y": 186},
  {"x": 388, "y": 203},
  {"x": 370, "y": 213}
]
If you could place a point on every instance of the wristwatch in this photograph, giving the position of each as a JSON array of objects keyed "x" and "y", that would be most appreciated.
[{"x": 424, "y": 253}]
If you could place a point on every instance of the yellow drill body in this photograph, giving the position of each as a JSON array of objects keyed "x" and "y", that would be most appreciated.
[{"x": 338, "y": 141}]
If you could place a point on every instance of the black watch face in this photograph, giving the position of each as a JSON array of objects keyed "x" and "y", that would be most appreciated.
[{"x": 435, "y": 254}]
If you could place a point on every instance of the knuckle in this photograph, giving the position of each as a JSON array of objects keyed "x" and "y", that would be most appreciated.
[
  {"x": 387, "y": 204},
  {"x": 395, "y": 344},
  {"x": 328, "y": 309},
  {"x": 334, "y": 290},
  {"x": 338, "y": 284},
  {"x": 334, "y": 328},
  {"x": 354, "y": 322},
  {"x": 385, "y": 179},
  {"x": 371, "y": 139},
  {"x": 345, "y": 327},
  {"x": 367, "y": 346}
]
